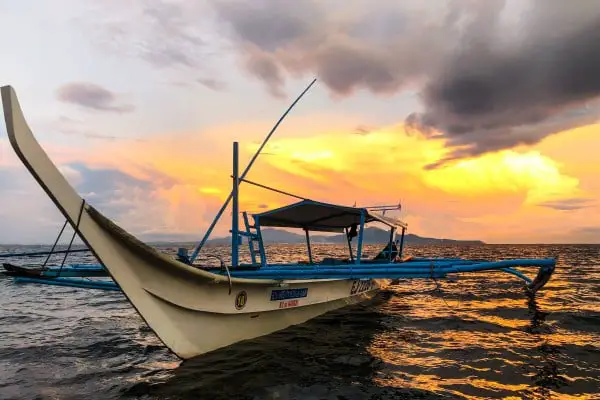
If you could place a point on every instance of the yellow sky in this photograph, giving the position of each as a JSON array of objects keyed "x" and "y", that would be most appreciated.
[
  {"x": 542, "y": 193},
  {"x": 501, "y": 197}
]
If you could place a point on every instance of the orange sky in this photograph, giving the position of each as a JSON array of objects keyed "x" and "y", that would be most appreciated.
[
  {"x": 506, "y": 197},
  {"x": 144, "y": 131}
]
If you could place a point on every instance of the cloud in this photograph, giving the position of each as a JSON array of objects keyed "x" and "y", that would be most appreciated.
[
  {"x": 166, "y": 35},
  {"x": 70, "y": 126},
  {"x": 488, "y": 81},
  {"x": 150, "y": 201},
  {"x": 156, "y": 190},
  {"x": 365, "y": 161},
  {"x": 213, "y": 84},
  {"x": 27, "y": 214},
  {"x": 92, "y": 96},
  {"x": 349, "y": 48},
  {"x": 146, "y": 202},
  {"x": 587, "y": 234},
  {"x": 491, "y": 75},
  {"x": 493, "y": 95},
  {"x": 568, "y": 204},
  {"x": 164, "y": 18},
  {"x": 362, "y": 130}
]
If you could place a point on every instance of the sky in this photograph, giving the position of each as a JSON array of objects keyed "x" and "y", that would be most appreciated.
[{"x": 481, "y": 117}]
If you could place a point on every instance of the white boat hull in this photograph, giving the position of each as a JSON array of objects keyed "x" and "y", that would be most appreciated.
[
  {"x": 189, "y": 333},
  {"x": 192, "y": 311}
]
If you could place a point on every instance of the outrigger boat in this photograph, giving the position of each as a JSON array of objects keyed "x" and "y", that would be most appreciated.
[{"x": 195, "y": 309}]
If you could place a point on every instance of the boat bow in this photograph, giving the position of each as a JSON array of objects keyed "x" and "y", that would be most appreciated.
[{"x": 138, "y": 269}]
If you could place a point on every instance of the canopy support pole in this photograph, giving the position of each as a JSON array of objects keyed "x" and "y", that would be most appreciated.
[
  {"x": 310, "y": 259},
  {"x": 349, "y": 244},
  {"x": 360, "y": 236},
  {"x": 392, "y": 234},
  {"x": 401, "y": 243}
]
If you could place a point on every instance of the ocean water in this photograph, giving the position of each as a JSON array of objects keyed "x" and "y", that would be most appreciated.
[{"x": 477, "y": 337}]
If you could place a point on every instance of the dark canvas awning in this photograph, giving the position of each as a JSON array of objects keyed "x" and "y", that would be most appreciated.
[{"x": 316, "y": 216}]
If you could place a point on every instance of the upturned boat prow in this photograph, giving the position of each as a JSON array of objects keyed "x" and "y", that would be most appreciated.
[{"x": 194, "y": 309}]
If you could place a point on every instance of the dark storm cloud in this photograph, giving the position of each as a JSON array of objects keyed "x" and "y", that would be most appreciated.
[
  {"x": 90, "y": 95},
  {"x": 491, "y": 74},
  {"x": 490, "y": 98},
  {"x": 270, "y": 25},
  {"x": 487, "y": 84},
  {"x": 348, "y": 45}
]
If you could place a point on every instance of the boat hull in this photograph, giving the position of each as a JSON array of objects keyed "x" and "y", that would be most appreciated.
[
  {"x": 192, "y": 311},
  {"x": 193, "y": 332}
]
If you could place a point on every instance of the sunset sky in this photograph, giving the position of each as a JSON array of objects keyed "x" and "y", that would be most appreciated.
[{"x": 481, "y": 117}]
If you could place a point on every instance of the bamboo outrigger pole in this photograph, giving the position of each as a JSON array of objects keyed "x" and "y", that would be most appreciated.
[{"x": 243, "y": 175}]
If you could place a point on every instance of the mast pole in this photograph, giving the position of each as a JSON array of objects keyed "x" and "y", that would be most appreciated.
[
  {"x": 235, "y": 237},
  {"x": 222, "y": 210}
]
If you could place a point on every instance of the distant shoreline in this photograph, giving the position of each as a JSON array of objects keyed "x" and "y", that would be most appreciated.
[{"x": 277, "y": 236}]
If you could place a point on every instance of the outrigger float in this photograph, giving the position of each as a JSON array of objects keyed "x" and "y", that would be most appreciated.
[{"x": 195, "y": 309}]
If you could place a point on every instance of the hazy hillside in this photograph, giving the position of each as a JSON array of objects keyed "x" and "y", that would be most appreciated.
[{"x": 372, "y": 235}]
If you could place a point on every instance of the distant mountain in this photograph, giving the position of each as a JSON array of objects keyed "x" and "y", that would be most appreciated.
[{"x": 372, "y": 235}]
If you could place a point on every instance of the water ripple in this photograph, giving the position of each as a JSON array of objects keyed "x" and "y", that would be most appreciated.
[{"x": 472, "y": 338}]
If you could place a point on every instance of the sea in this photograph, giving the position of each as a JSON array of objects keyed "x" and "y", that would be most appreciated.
[{"x": 478, "y": 336}]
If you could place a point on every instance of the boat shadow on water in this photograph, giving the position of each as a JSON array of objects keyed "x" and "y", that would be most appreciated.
[
  {"x": 325, "y": 358},
  {"x": 548, "y": 376}
]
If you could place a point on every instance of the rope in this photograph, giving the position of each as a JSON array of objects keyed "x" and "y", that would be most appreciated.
[
  {"x": 75, "y": 231},
  {"x": 229, "y": 277},
  {"x": 55, "y": 243}
]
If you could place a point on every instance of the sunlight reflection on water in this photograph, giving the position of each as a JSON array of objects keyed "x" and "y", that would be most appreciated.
[{"x": 479, "y": 337}]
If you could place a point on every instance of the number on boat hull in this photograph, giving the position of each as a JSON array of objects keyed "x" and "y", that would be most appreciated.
[
  {"x": 285, "y": 294},
  {"x": 359, "y": 286},
  {"x": 240, "y": 300},
  {"x": 288, "y": 297},
  {"x": 288, "y": 303}
]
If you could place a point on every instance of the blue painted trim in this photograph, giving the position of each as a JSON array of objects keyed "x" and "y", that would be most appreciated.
[
  {"x": 70, "y": 282},
  {"x": 261, "y": 245},
  {"x": 251, "y": 237},
  {"x": 415, "y": 269},
  {"x": 286, "y": 294},
  {"x": 518, "y": 274},
  {"x": 360, "y": 236}
]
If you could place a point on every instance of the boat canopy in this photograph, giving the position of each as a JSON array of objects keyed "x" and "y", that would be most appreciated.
[{"x": 316, "y": 216}]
